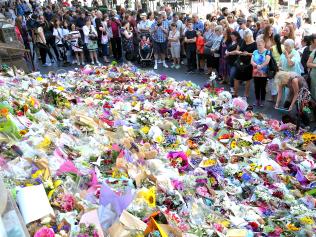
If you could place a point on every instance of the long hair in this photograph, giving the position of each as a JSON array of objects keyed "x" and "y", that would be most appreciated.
[
  {"x": 228, "y": 37},
  {"x": 277, "y": 40},
  {"x": 266, "y": 34},
  {"x": 291, "y": 33}
]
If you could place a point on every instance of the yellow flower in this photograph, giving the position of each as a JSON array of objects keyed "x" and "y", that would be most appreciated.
[
  {"x": 207, "y": 163},
  {"x": 60, "y": 88},
  {"x": 118, "y": 174},
  {"x": 149, "y": 195},
  {"x": 45, "y": 143},
  {"x": 23, "y": 132},
  {"x": 292, "y": 227},
  {"x": 181, "y": 131},
  {"x": 225, "y": 223},
  {"x": 306, "y": 220},
  {"x": 269, "y": 168},
  {"x": 57, "y": 183},
  {"x": 37, "y": 174},
  {"x": 233, "y": 144},
  {"x": 145, "y": 129},
  {"x": 39, "y": 78},
  {"x": 308, "y": 137},
  {"x": 188, "y": 152},
  {"x": 159, "y": 139}
]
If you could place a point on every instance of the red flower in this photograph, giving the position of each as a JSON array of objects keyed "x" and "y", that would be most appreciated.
[{"x": 254, "y": 225}]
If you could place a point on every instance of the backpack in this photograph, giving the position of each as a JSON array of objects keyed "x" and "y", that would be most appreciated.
[{"x": 272, "y": 67}]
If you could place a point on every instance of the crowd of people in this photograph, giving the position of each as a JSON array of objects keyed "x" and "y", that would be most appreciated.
[{"x": 237, "y": 47}]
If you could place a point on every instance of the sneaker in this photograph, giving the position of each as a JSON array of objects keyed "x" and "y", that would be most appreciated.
[
  {"x": 256, "y": 103},
  {"x": 165, "y": 65},
  {"x": 262, "y": 104},
  {"x": 232, "y": 90},
  {"x": 177, "y": 66},
  {"x": 99, "y": 64},
  {"x": 172, "y": 66},
  {"x": 159, "y": 61},
  {"x": 182, "y": 62},
  {"x": 52, "y": 61},
  {"x": 75, "y": 62},
  {"x": 156, "y": 66},
  {"x": 47, "y": 65},
  {"x": 92, "y": 63},
  {"x": 189, "y": 72}
]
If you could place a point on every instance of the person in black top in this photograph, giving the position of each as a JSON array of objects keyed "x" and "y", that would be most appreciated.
[
  {"x": 190, "y": 40},
  {"x": 307, "y": 51}
]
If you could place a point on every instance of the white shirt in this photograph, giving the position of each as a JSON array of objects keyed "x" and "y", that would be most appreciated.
[
  {"x": 242, "y": 32},
  {"x": 150, "y": 22},
  {"x": 86, "y": 31},
  {"x": 57, "y": 32},
  {"x": 233, "y": 25},
  {"x": 143, "y": 25}
]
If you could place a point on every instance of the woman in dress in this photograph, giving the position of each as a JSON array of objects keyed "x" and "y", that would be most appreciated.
[
  {"x": 243, "y": 65},
  {"x": 231, "y": 57},
  {"x": 209, "y": 39},
  {"x": 74, "y": 36},
  {"x": 127, "y": 40},
  {"x": 91, "y": 40},
  {"x": 223, "y": 64}
]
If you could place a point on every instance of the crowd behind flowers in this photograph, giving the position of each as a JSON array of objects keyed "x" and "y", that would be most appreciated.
[{"x": 236, "y": 46}]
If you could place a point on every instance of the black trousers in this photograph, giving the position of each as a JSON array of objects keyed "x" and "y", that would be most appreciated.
[
  {"x": 260, "y": 87},
  {"x": 116, "y": 44},
  {"x": 43, "y": 54},
  {"x": 191, "y": 57},
  {"x": 52, "y": 44}
]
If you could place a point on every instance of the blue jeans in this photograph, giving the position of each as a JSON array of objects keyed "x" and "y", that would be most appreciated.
[
  {"x": 232, "y": 74},
  {"x": 105, "y": 50}
]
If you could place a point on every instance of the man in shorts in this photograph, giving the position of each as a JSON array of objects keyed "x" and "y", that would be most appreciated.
[{"x": 159, "y": 32}]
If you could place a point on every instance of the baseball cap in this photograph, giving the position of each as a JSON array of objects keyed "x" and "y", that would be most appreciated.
[{"x": 241, "y": 21}]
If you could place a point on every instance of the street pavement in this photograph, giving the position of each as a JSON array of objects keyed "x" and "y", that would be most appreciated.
[{"x": 197, "y": 78}]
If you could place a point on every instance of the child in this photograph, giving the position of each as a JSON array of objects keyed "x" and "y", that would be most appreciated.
[
  {"x": 190, "y": 40},
  {"x": 200, "y": 50},
  {"x": 174, "y": 38},
  {"x": 145, "y": 46}
]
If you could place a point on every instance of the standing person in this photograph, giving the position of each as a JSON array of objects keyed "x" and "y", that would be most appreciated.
[
  {"x": 151, "y": 19},
  {"x": 260, "y": 61},
  {"x": 91, "y": 41},
  {"x": 59, "y": 40},
  {"x": 105, "y": 38},
  {"x": 159, "y": 31},
  {"x": 180, "y": 26},
  {"x": 223, "y": 66},
  {"x": 116, "y": 43},
  {"x": 231, "y": 57},
  {"x": 41, "y": 43},
  {"x": 268, "y": 37},
  {"x": 288, "y": 33},
  {"x": 290, "y": 59},
  {"x": 232, "y": 22},
  {"x": 243, "y": 64},
  {"x": 215, "y": 54},
  {"x": 209, "y": 36},
  {"x": 200, "y": 51},
  {"x": 143, "y": 26},
  {"x": 127, "y": 40},
  {"x": 242, "y": 27},
  {"x": 74, "y": 36},
  {"x": 197, "y": 23},
  {"x": 276, "y": 52},
  {"x": 174, "y": 39},
  {"x": 311, "y": 64},
  {"x": 190, "y": 40}
]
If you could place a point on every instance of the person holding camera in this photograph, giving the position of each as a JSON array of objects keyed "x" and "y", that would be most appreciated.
[
  {"x": 159, "y": 31},
  {"x": 91, "y": 40}
]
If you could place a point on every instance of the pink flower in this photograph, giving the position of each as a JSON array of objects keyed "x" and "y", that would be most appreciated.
[
  {"x": 179, "y": 160},
  {"x": 44, "y": 232}
]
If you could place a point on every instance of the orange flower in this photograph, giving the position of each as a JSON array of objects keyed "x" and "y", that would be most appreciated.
[
  {"x": 258, "y": 137},
  {"x": 187, "y": 118},
  {"x": 192, "y": 144},
  {"x": 4, "y": 112}
]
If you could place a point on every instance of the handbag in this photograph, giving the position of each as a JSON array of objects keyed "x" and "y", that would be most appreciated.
[
  {"x": 240, "y": 66},
  {"x": 207, "y": 50},
  {"x": 92, "y": 36},
  {"x": 272, "y": 67}
]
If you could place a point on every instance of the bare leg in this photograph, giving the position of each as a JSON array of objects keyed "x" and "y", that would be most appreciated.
[
  {"x": 236, "y": 87},
  {"x": 247, "y": 89},
  {"x": 77, "y": 57},
  {"x": 91, "y": 56}
]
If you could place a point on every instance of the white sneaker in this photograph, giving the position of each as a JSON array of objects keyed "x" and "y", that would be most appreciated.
[
  {"x": 165, "y": 65},
  {"x": 178, "y": 66},
  {"x": 99, "y": 64},
  {"x": 172, "y": 66},
  {"x": 156, "y": 66},
  {"x": 92, "y": 63},
  {"x": 232, "y": 90}
]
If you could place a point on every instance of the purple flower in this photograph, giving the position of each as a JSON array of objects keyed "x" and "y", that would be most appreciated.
[{"x": 163, "y": 77}]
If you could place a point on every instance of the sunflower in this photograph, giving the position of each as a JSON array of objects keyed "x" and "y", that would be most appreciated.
[
  {"x": 292, "y": 227},
  {"x": 149, "y": 195}
]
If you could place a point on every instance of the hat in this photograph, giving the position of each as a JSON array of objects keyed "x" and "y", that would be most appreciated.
[
  {"x": 241, "y": 21},
  {"x": 143, "y": 15}
]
